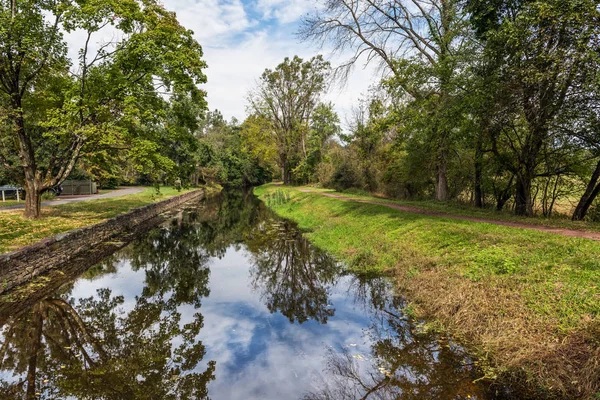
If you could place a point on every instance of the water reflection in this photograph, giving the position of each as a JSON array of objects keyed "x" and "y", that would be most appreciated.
[
  {"x": 225, "y": 300},
  {"x": 93, "y": 349},
  {"x": 402, "y": 361},
  {"x": 292, "y": 276}
]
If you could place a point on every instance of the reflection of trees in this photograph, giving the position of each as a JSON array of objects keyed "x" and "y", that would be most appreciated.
[
  {"x": 227, "y": 219},
  {"x": 403, "y": 363},
  {"x": 105, "y": 346},
  {"x": 174, "y": 260},
  {"x": 293, "y": 276}
]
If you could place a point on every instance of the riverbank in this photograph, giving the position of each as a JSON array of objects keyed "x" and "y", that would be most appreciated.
[
  {"x": 26, "y": 263},
  {"x": 527, "y": 302},
  {"x": 17, "y": 231}
]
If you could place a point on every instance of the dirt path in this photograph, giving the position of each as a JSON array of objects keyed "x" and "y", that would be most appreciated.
[
  {"x": 76, "y": 199},
  {"x": 415, "y": 210}
]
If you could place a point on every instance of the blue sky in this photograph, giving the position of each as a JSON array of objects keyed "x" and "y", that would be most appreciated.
[{"x": 243, "y": 37}]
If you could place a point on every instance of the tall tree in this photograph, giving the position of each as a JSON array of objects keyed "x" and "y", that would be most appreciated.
[
  {"x": 286, "y": 98},
  {"x": 423, "y": 32},
  {"x": 537, "y": 49},
  {"x": 324, "y": 125},
  {"x": 112, "y": 98}
]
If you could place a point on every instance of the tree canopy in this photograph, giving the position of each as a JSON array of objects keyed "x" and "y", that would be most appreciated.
[{"x": 117, "y": 97}]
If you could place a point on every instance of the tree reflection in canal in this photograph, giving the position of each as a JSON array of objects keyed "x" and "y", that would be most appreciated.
[
  {"x": 93, "y": 348},
  {"x": 138, "y": 334},
  {"x": 292, "y": 275},
  {"x": 404, "y": 362}
]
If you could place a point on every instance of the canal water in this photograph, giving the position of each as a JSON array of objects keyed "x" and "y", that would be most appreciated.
[{"x": 224, "y": 301}]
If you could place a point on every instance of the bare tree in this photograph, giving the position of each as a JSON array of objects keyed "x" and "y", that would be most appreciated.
[{"x": 426, "y": 31}]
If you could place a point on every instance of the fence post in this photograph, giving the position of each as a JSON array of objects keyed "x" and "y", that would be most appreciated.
[
  {"x": 18, "y": 197},
  {"x": 3, "y": 198}
]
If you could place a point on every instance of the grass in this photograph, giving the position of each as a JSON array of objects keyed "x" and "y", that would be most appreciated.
[
  {"x": 452, "y": 207},
  {"x": 8, "y": 203},
  {"x": 528, "y": 302},
  {"x": 17, "y": 231}
]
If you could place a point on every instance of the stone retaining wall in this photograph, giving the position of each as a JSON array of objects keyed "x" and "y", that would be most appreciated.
[{"x": 22, "y": 265}]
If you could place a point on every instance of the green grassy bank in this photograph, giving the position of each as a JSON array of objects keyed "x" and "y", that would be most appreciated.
[
  {"x": 9, "y": 203},
  {"x": 17, "y": 231},
  {"x": 526, "y": 302}
]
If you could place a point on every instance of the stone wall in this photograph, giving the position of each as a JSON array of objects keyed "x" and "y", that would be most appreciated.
[{"x": 28, "y": 262}]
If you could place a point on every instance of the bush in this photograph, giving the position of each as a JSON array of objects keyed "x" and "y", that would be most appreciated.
[
  {"x": 345, "y": 176},
  {"x": 594, "y": 212},
  {"x": 48, "y": 196},
  {"x": 109, "y": 183}
]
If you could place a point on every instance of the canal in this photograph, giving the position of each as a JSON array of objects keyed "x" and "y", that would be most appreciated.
[{"x": 224, "y": 301}]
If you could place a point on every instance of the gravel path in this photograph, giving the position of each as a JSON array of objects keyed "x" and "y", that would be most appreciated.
[{"x": 76, "y": 199}]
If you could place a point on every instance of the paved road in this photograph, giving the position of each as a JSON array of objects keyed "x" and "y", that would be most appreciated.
[{"x": 76, "y": 199}]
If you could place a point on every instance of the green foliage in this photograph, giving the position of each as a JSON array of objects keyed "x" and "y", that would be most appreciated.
[
  {"x": 223, "y": 158},
  {"x": 491, "y": 102},
  {"x": 282, "y": 108},
  {"x": 48, "y": 196},
  {"x": 118, "y": 104},
  {"x": 324, "y": 126}
]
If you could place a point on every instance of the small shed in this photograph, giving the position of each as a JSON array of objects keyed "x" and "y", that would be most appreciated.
[{"x": 80, "y": 187}]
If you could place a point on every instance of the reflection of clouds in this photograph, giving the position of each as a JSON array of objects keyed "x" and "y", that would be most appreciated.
[
  {"x": 125, "y": 282},
  {"x": 261, "y": 355},
  {"x": 230, "y": 281}
]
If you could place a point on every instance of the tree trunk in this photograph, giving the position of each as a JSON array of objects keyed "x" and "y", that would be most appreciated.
[
  {"x": 33, "y": 200},
  {"x": 35, "y": 336},
  {"x": 286, "y": 175},
  {"x": 478, "y": 192},
  {"x": 591, "y": 192},
  {"x": 441, "y": 181},
  {"x": 523, "y": 204},
  {"x": 501, "y": 201}
]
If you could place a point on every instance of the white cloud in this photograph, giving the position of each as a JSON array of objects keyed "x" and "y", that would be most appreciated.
[
  {"x": 239, "y": 47},
  {"x": 242, "y": 38},
  {"x": 213, "y": 21},
  {"x": 285, "y": 11}
]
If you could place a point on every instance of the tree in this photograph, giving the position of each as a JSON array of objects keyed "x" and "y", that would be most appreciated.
[
  {"x": 324, "y": 125},
  {"x": 403, "y": 362},
  {"x": 223, "y": 156},
  {"x": 285, "y": 99},
  {"x": 259, "y": 141},
  {"x": 293, "y": 276},
  {"x": 96, "y": 348},
  {"x": 537, "y": 50},
  {"x": 403, "y": 35},
  {"x": 113, "y": 99},
  {"x": 580, "y": 121}
]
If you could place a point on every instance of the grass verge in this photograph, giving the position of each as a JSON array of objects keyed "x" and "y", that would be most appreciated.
[
  {"x": 17, "y": 231},
  {"x": 526, "y": 302},
  {"x": 557, "y": 220},
  {"x": 9, "y": 203}
]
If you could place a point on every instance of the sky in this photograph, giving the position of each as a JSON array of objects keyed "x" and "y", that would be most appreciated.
[{"x": 241, "y": 38}]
